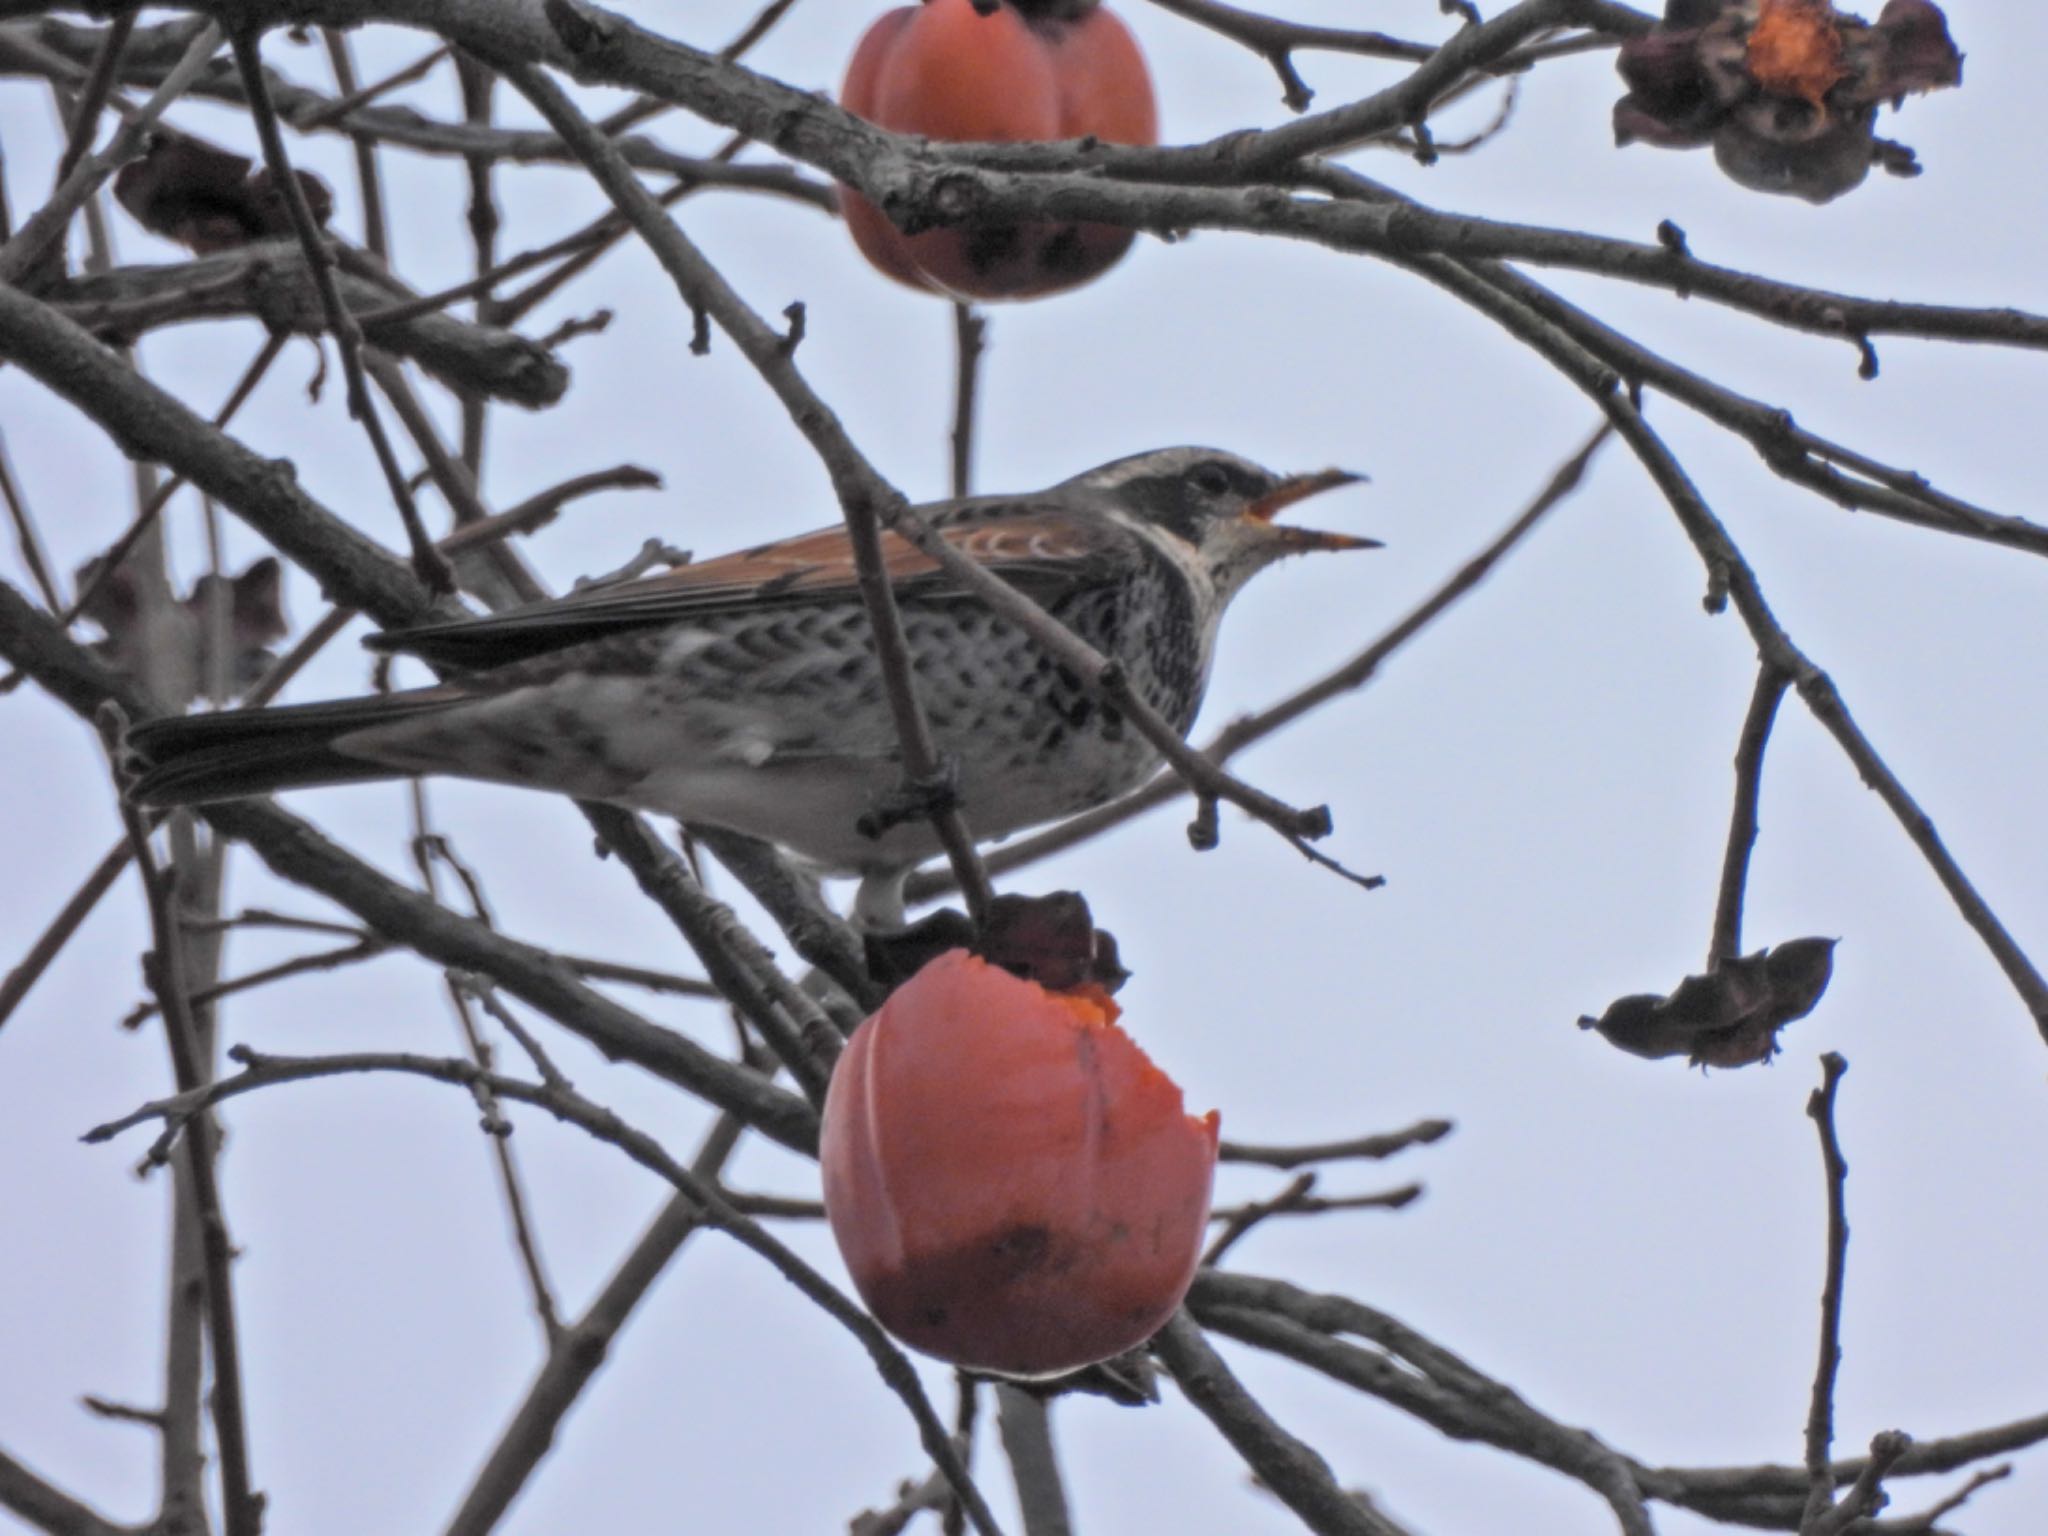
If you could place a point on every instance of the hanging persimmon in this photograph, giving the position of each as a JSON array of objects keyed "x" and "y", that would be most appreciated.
[
  {"x": 1013, "y": 1184},
  {"x": 1027, "y": 70}
]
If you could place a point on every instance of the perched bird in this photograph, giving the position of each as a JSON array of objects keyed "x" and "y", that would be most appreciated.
[{"x": 744, "y": 692}]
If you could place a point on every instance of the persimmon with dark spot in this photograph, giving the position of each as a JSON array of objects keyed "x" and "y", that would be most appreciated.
[
  {"x": 1013, "y": 1184},
  {"x": 1029, "y": 70}
]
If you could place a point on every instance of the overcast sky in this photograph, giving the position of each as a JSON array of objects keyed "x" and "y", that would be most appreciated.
[{"x": 1543, "y": 780}]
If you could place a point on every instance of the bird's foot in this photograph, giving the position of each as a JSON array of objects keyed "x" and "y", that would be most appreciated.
[{"x": 915, "y": 799}]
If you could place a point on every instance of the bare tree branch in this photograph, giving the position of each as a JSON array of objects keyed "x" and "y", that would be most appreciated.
[
  {"x": 270, "y": 281},
  {"x": 1288, "y": 1466},
  {"x": 1820, "y": 1414},
  {"x": 1749, "y": 768},
  {"x": 558, "y": 1099},
  {"x": 48, "y": 1508},
  {"x": 299, "y": 853},
  {"x": 241, "y": 1505}
]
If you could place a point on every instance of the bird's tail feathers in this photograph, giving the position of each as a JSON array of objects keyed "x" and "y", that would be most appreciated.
[{"x": 200, "y": 759}]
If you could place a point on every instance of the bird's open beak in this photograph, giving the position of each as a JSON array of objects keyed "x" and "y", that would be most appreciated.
[{"x": 1299, "y": 488}]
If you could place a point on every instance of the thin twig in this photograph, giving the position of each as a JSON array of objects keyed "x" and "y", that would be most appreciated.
[
  {"x": 1820, "y": 1413},
  {"x": 289, "y": 665},
  {"x": 122, "y": 1413},
  {"x": 427, "y": 847},
  {"x": 477, "y": 85},
  {"x": 1244, "y": 1219},
  {"x": 1866, "y": 1496},
  {"x": 429, "y": 566},
  {"x": 640, "y": 976},
  {"x": 30, "y": 539},
  {"x": 541, "y": 508},
  {"x": 242, "y": 1508},
  {"x": 643, "y": 108},
  {"x": 1420, "y": 1377},
  {"x": 270, "y": 281},
  {"x": 793, "y": 1025},
  {"x": 559, "y": 1100},
  {"x": 533, "y": 513},
  {"x": 608, "y": 231},
  {"x": 352, "y": 98},
  {"x": 30, "y": 639},
  {"x": 818, "y": 934},
  {"x": 365, "y": 948},
  {"x": 862, "y": 493},
  {"x": 1742, "y": 823},
  {"x": 1290, "y": 1467},
  {"x": 1288, "y": 1158},
  {"x": 375, "y": 237},
  {"x": 1729, "y": 571},
  {"x": 573, "y": 1359},
  {"x": 92, "y": 96},
  {"x": 752, "y": 33},
  {"x": 289, "y": 922},
  {"x": 44, "y": 228},
  {"x": 495, "y": 570},
  {"x": 1345, "y": 678},
  {"x": 582, "y": 248},
  {"x": 117, "y": 553},
  {"x": 912, "y": 1499},
  {"x": 51, "y": 941},
  {"x": 1275, "y": 41},
  {"x": 970, "y": 340},
  {"x": 1317, "y": 1205},
  {"x": 48, "y": 1508},
  {"x": 966, "y": 1416},
  {"x": 1024, "y": 1422},
  {"x": 1927, "y": 1518}
]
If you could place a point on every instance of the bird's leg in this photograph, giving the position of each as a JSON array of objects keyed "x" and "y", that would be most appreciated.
[
  {"x": 878, "y": 901},
  {"x": 914, "y": 799}
]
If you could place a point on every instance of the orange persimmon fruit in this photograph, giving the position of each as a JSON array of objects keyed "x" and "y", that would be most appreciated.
[
  {"x": 1031, "y": 70},
  {"x": 1796, "y": 49},
  {"x": 1013, "y": 1184}
]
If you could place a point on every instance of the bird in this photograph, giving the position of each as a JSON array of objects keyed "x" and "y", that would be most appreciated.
[{"x": 743, "y": 692}]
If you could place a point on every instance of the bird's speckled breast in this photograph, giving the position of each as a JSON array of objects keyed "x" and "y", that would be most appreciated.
[{"x": 774, "y": 721}]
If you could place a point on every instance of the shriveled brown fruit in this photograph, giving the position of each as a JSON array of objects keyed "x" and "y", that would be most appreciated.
[
  {"x": 1786, "y": 92},
  {"x": 208, "y": 198},
  {"x": 1729, "y": 1017},
  {"x": 1050, "y": 939}
]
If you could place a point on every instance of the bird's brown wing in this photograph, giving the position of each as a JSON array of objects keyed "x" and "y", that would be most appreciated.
[{"x": 1043, "y": 551}]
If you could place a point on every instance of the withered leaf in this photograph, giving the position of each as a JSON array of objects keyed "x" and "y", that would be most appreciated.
[
  {"x": 1729, "y": 1017},
  {"x": 209, "y": 198},
  {"x": 1786, "y": 91},
  {"x": 1050, "y": 939},
  {"x": 169, "y": 645}
]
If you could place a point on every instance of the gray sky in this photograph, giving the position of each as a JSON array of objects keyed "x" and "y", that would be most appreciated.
[{"x": 1543, "y": 779}]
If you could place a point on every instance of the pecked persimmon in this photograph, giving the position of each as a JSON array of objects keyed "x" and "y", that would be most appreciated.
[
  {"x": 1013, "y": 1184},
  {"x": 1028, "y": 70}
]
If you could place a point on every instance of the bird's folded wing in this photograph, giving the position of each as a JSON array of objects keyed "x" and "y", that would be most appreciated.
[{"x": 1045, "y": 553}]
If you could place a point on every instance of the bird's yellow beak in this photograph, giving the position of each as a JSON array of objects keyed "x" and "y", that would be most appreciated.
[{"x": 1299, "y": 488}]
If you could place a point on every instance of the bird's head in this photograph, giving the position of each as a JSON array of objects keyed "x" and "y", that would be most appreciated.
[{"x": 1216, "y": 511}]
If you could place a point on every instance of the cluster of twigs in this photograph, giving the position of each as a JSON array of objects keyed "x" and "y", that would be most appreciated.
[{"x": 66, "y": 330}]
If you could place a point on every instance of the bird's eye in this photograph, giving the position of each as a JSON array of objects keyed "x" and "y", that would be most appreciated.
[{"x": 1211, "y": 479}]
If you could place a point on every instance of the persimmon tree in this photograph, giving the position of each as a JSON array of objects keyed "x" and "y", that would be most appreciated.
[{"x": 346, "y": 313}]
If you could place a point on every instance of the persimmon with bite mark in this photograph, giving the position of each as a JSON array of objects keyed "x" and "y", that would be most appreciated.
[
  {"x": 1013, "y": 1184},
  {"x": 1031, "y": 70}
]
